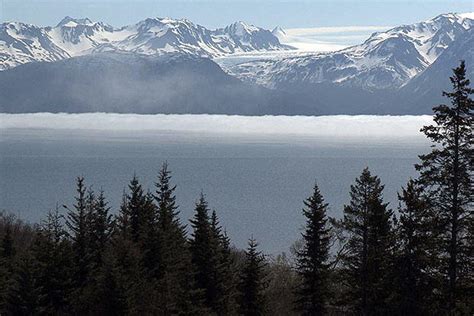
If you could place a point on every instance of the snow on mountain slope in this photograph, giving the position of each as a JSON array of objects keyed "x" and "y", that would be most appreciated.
[
  {"x": 21, "y": 43},
  {"x": 77, "y": 36},
  {"x": 157, "y": 35},
  {"x": 385, "y": 60},
  {"x": 243, "y": 37},
  {"x": 424, "y": 90}
]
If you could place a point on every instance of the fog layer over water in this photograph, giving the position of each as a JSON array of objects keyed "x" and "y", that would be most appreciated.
[
  {"x": 255, "y": 171},
  {"x": 332, "y": 126}
]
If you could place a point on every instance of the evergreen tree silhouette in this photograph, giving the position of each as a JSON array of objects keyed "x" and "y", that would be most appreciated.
[
  {"x": 367, "y": 261},
  {"x": 252, "y": 300},
  {"x": 447, "y": 172},
  {"x": 415, "y": 254},
  {"x": 53, "y": 261},
  {"x": 176, "y": 289},
  {"x": 312, "y": 259}
]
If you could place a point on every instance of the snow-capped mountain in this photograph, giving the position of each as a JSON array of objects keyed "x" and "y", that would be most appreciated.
[
  {"x": 157, "y": 66},
  {"x": 424, "y": 90},
  {"x": 245, "y": 38},
  {"x": 279, "y": 32},
  {"x": 385, "y": 60},
  {"x": 21, "y": 43},
  {"x": 186, "y": 83},
  {"x": 79, "y": 36},
  {"x": 157, "y": 35}
]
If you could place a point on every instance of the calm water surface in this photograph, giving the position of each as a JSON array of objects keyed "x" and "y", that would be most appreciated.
[{"x": 256, "y": 183}]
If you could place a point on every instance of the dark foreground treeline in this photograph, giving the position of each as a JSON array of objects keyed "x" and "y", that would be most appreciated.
[{"x": 373, "y": 261}]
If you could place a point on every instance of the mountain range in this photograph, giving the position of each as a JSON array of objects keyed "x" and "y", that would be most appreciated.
[
  {"x": 385, "y": 60},
  {"x": 168, "y": 66},
  {"x": 22, "y": 43}
]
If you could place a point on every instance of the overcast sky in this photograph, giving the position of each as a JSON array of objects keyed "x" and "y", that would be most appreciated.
[{"x": 217, "y": 13}]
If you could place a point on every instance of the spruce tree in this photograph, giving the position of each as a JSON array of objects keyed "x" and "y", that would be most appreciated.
[
  {"x": 226, "y": 277},
  {"x": 136, "y": 251},
  {"x": 126, "y": 272},
  {"x": 175, "y": 274},
  {"x": 109, "y": 296},
  {"x": 23, "y": 297},
  {"x": 212, "y": 261},
  {"x": 204, "y": 254},
  {"x": 101, "y": 293},
  {"x": 100, "y": 230},
  {"x": 252, "y": 300},
  {"x": 367, "y": 259},
  {"x": 135, "y": 208},
  {"x": 149, "y": 242},
  {"x": 414, "y": 256},
  {"x": 468, "y": 269},
  {"x": 312, "y": 259},
  {"x": 122, "y": 227},
  {"x": 52, "y": 255},
  {"x": 126, "y": 265},
  {"x": 78, "y": 225},
  {"x": 447, "y": 172}
]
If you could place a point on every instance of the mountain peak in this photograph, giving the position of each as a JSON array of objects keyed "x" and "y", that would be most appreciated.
[
  {"x": 71, "y": 22},
  {"x": 453, "y": 17},
  {"x": 241, "y": 28},
  {"x": 279, "y": 32},
  {"x": 82, "y": 36},
  {"x": 158, "y": 21}
]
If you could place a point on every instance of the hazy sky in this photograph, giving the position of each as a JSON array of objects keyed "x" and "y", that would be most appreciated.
[{"x": 216, "y": 13}]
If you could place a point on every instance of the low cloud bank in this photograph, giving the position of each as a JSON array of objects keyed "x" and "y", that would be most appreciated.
[
  {"x": 327, "y": 39},
  {"x": 335, "y": 30},
  {"x": 324, "y": 126}
]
